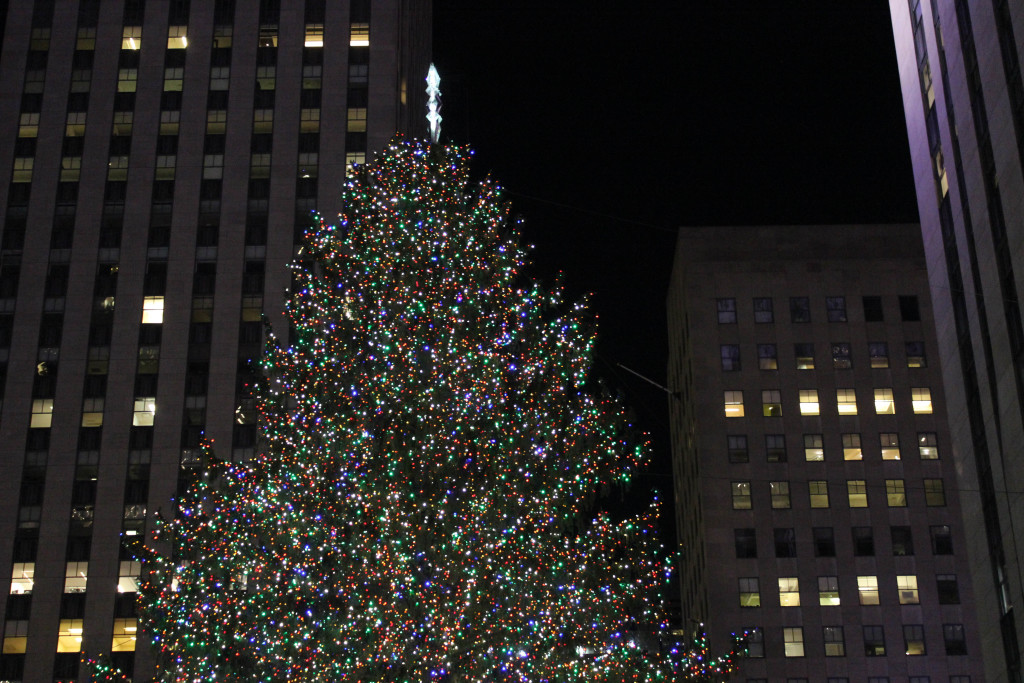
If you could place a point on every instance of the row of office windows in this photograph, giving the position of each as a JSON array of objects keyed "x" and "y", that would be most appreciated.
[
  {"x": 823, "y": 541},
  {"x": 809, "y": 403},
  {"x": 800, "y": 309},
  {"x": 780, "y": 493},
  {"x": 804, "y": 356},
  {"x": 76, "y": 577},
  {"x": 873, "y": 639},
  {"x": 69, "y": 635},
  {"x": 947, "y": 591},
  {"x": 814, "y": 448}
]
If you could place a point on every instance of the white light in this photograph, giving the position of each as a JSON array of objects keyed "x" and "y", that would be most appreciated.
[{"x": 434, "y": 103}]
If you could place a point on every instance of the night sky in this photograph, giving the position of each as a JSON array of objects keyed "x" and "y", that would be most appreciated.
[{"x": 612, "y": 123}]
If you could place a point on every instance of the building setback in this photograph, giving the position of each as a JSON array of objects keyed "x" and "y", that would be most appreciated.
[
  {"x": 963, "y": 97},
  {"x": 159, "y": 160},
  {"x": 817, "y": 502}
]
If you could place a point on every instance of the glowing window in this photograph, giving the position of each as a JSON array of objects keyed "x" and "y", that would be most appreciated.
[
  {"x": 15, "y": 637},
  {"x": 835, "y": 645},
  {"x": 734, "y": 404},
  {"x": 352, "y": 159},
  {"x": 123, "y": 635},
  {"x": 131, "y": 38},
  {"x": 23, "y": 169},
  {"x": 794, "y": 641},
  {"x": 934, "y": 493},
  {"x": 804, "y": 356},
  {"x": 177, "y": 38},
  {"x": 890, "y": 443},
  {"x": 895, "y": 493},
  {"x": 814, "y": 448},
  {"x": 771, "y": 403},
  {"x": 915, "y": 355},
  {"x": 741, "y": 499},
  {"x": 857, "y": 491},
  {"x": 789, "y": 591},
  {"x": 128, "y": 576},
  {"x": 846, "y": 401},
  {"x": 314, "y": 35},
  {"x": 42, "y": 413},
  {"x": 851, "y": 447},
  {"x": 152, "y": 310},
  {"x": 867, "y": 587},
  {"x": 268, "y": 35},
  {"x": 921, "y": 398},
  {"x": 750, "y": 592},
  {"x": 907, "y": 587},
  {"x": 927, "y": 446},
  {"x": 913, "y": 639},
  {"x": 69, "y": 635},
  {"x": 76, "y": 576},
  {"x": 809, "y": 402},
  {"x": 828, "y": 591},
  {"x": 884, "y": 405},
  {"x": 359, "y": 36},
  {"x": 780, "y": 494},
  {"x": 145, "y": 411},
  {"x": 22, "y": 577},
  {"x": 819, "y": 493}
]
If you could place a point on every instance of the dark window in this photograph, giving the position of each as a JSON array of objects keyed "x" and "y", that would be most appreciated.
[
  {"x": 746, "y": 543},
  {"x": 737, "y": 447},
  {"x": 902, "y": 540},
  {"x": 841, "y": 359},
  {"x": 863, "y": 541},
  {"x": 775, "y": 447},
  {"x": 767, "y": 357},
  {"x": 763, "y": 312},
  {"x": 785, "y": 543},
  {"x": 804, "y": 356},
  {"x": 948, "y": 590},
  {"x": 65, "y": 666},
  {"x": 915, "y": 355},
  {"x": 726, "y": 310},
  {"x": 824, "y": 541},
  {"x": 836, "y": 308},
  {"x": 953, "y": 635},
  {"x": 942, "y": 540},
  {"x": 730, "y": 357},
  {"x": 874, "y": 641},
  {"x": 800, "y": 309},
  {"x": 909, "y": 309}
]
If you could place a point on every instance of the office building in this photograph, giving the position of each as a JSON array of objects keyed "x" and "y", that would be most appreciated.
[
  {"x": 158, "y": 162},
  {"x": 963, "y": 98},
  {"x": 817, "y": 503}
]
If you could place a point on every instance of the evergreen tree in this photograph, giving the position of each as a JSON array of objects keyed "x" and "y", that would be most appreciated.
[{"x": 432, "y": 451}]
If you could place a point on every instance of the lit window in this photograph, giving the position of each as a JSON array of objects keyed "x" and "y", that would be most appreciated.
[
  {"x": 128, "y": 576},
  {"x": 734, "y": 404},
  {"x": 895, "y": 493},
  {"x": 836, "y": 307},
  {"x": 356, "y": 119},
  {"x": 809, "y": 402},
  {"x": 92, "y": 412},
  {"x": 736, "y": 444},
  {"x": 890, "y": 443},
  {"x": 913, "y": 639},
  {"x": 767, "y": 357},
  {"x": 15, "y": 637},
  {"x": 23, "y": 169},
  {"x": 730, "y": 357},
  {"x": 314, "y": 35},
  {"x": 814, "y": 449},
  {"x": 846, "y": 401},
  {"x": 780, "y": 494},
  {"x": 750, "y": 592},
  {"x": 874, "y": 645},
  {"x": 789, "y": 592},
  {"x": 763, "y": 312},
  {"x": 22, "y": 577},
  {"x": 921, "y": 398},
  {"x": 69, "y": 635},
  {"x": 176, "y": 37},
  {"x": 152, "y": 310},
  {"x": 794, "y": 641},
  {"x": 775, "y": 447},
  {"x": 352, "y": 159},
  {"x": 819, "y": 493},
  {"x": 884, "y": 404},
  {"x": 800, "y": 309},
  {"x": 131, "y": 38},
  {"x": 857, "y": 490},
  {"x": 867, "y": 588},
  {"x": 835, "y": 645},
  {"x": 74, "y": 125},
  {"x": 359, "y": 35},
  {"x": 174, "y": 78},
  {"x": 907, "y": 587},
  {"x": 309, "y": 122},
  {"x": 851, "y": 447},
  {"x": 828, "y": 591},
  {"x": 804, "y": 356},
  {"x": 123, "y": 635},
  {"x": 927, "y": 445},
  {"x": 841, "y": 359},
  {"x": 741, "y": 499},
  {"x": 915, "y": 355},
  {"x": 28, "y": 125},
  {"x": 726, "y": 310},
  {"x": 934, "y": 493},
  {"x": 76, "y": 576},
  {"x": 145, "y": 411},
  {"x": 879, "y": 354},
  {"x": 42, "y": 413},
  {"x": 771, "y": 403}
]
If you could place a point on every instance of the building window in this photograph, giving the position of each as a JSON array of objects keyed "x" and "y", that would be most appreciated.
[
  {"x": 959, "y": 679},
  {"x": 789, "y": 591},
  {"x": 730, "y": 357},
  {"x": 785, "y": 543},
  {"x": 846, "y": 401},
  {"x": 934, "y": 493},
  {"x": 15, "y": 636},
  {"x": 42, "y": 413},
  {"x": 804, "y": 354},
  {"x": 131, "y": 38},
  {"x": 123, "y": 635},
  {"x": 726, "y": 311},
  {"x": 836, "y": 307},
  {"x": 734, "y": 404},
  {"x": 927, "y": 445},
  {"x": 851, "y": 447},
  {"x": 741, "y": 499},
  {"x": 736, "y": 444},
  {"x": 915, "y": 355},
  {"x": 356, "y": 119},
  {"x": 763, "y": 312},
  {"x": 828, "y": 591},
  {"x": 780, "y": 494},
  {"x": 314, "y": 35},
  {"x": 69, "y": 635},
  {"x": 867, "y": 589},
  {"x": 771, "y": 403},
  {"x": 878, "y": 352},
  {"x": 755, "y": 642},
  {"x": 948, "y": 590},
  {"x": 144, "y": 411},
  {"x": 794, "y": 641},
  {"x": 824, "y": 541},
  {"x": 809, "y": 402},
  {"x": 76, "y": 577},
  {"x": 942, "y": 540},
  {"x": 909, "y": 309},
  {"x": 913, "y": 639},
  {"x": 835, "y": 645},
  {"x": 128, "y": 576},
  {"x": 902, "y": 540},
  {"x": 921, "y": 398},
  {"x": 800, "y": 309},
  {"x": 767, "y": 357},
  {"x": 857, "y": 491},
  {"x": 884, "y": 404},
  {"x": 907, "y": 587},
  {"x": 819, "y": 493},
  {"x": 746, "y": 543},
  {"x": 814, "y": 448},
  {"x": 890, "y": 444},
  {"x": 863, "y": 541},
  {"x": 953, "y": 636},
  {"x": 775, "y": 447},
  {"x": 152, "y": 310},
  {"x": 750, "y": 592},
  {"x": 22, "y": 578},
  {"x": 359, "y": 36},
  {"x": 841, "y": 359}
]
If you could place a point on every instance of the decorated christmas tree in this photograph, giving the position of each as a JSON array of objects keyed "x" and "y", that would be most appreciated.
[{"x": 435, "y": 453}]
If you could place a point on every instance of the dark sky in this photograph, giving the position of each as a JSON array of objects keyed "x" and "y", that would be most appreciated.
[{"x": 611, "y": 123}]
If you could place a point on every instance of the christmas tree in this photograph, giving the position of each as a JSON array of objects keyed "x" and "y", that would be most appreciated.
[{"x": 433, "y": 447}]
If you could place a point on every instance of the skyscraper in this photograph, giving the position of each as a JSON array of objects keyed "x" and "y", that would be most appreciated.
[
  {"x": 159, "y": 163},
  {"x": 817, "y": 506},
  {"x": 963, "y": 98}
]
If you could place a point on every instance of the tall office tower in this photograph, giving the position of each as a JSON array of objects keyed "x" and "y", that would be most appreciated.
[
  {"x": 159, "y": 160},
  {"x": 963, "y": 97},
  {"x": 817, "y": 503}
]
